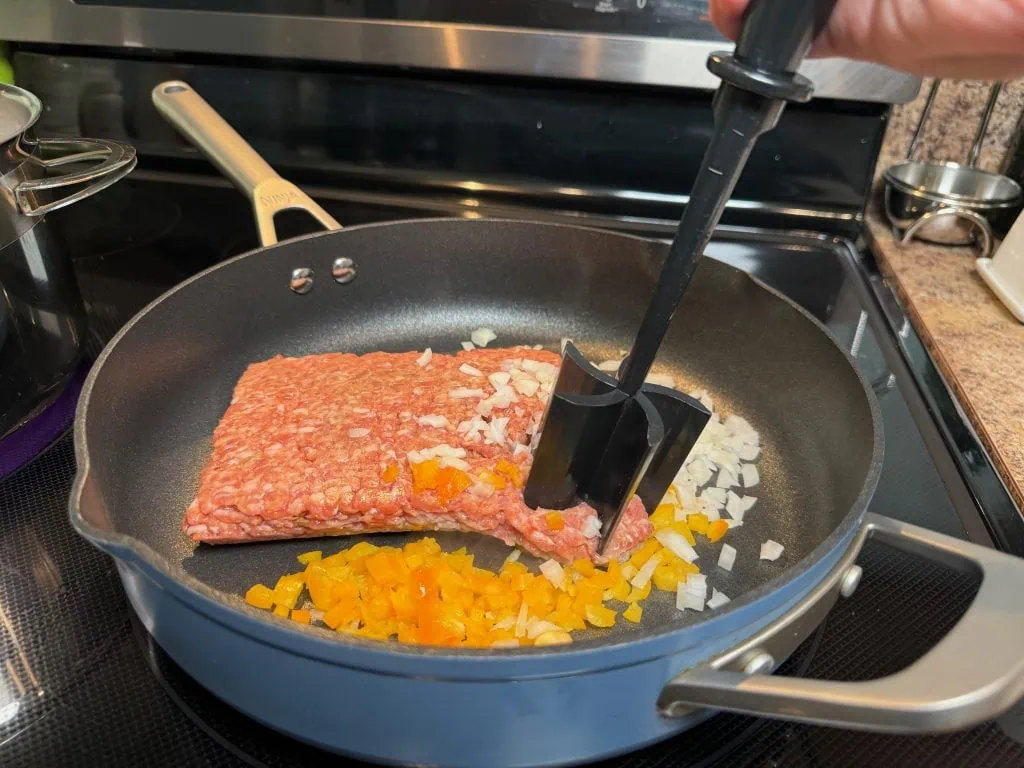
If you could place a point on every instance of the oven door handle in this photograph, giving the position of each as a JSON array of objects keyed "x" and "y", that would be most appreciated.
[{"x": 973, "y": 674}]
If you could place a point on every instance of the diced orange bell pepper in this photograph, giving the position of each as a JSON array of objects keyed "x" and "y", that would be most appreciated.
[
  {"x": 637, "y": 595},
  {"x": 666, "y": 577},
  {"x": 599, "y": 616},
  {"x": 260, "y": 596},
  {"x": 424, "y": 475},
  {"x": 698, "y": 523},
  {"x": 281, "y": 611},
  {"x": 633, "y": 613},
  {"x": 554, "y": 521},
  {"x": 663, "y": 516},
  {"x": 492, "y": 479},
  {"x": 643, "y": 554},
  {"x": 390, "y": 473},
  {"x": 450, "y": 483},
  {"x": 343, "y": 613},
  {"x": 717, "y": 530},
  {"x": 584, "y": 567},
  {"x": 387, "y": 567},
  {"x": 619, "y": 590},
  {"x": 511, "y": 471},
  {"x": 300, "y": 616},
  {"x": 287, "y": 591},
  {"x": 310, "y": 557}
]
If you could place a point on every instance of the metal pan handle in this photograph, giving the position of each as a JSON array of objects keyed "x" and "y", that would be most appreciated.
[
  {"x": 197, "y": 121},
  {"x": 975, "y": 673}
]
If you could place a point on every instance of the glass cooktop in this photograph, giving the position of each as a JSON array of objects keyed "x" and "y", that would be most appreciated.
[{"x": 81, "y": 683}]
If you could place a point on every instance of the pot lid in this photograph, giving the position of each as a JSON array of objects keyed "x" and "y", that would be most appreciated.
[{"x": 19, "y": 109}]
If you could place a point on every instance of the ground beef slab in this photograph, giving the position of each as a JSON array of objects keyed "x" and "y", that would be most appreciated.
[{"x": 301, "y": 452}]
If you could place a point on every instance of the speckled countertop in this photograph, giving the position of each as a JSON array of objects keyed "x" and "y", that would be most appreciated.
[{"x": 976, "y": 342}]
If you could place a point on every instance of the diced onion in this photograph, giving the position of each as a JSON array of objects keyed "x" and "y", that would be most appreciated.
[
  {"x": 527, "y": 387},
  {"x": 499, "y": 379},
  {"x": 553, "y": 572},
  {"x": 628, "y": 571},
  {"x": 646, "y": 571},
  {"x": 424, "y": 360},
  {"x": 538, "y": 627},
  {"x": 482, "y": 490},
  {"x": 358, "y": 432},
  {"x": 451, "y": 461},
  {"x": 771, "y": 550},
  {"x": 519, "y": 450},
  {"x": 506, "y": 623},
  {"x": 360, "y": 410},
  {"x": 674, "y": 542},
  {"x": 461, "y": 393},
  {"x": 726, "y": 479},
  {"x": 661, "y": 379},
  {"x": 609, "y": 366},
  {"x": 688, "y": 600},
  {"x": 734, "y": 506},
  {"x": 483, "y": 336},
  {"x": 469, "y": 370},
  {"x": 717, "y": 599},
  {"x": 734, "y": 524},
  {"x": 727, "y": 557},
  {"x": 433, "y": 420},
  {"x": 750, "y": 452},
  {"x": 591, "y": 526},
  {"x": 469, "y": 346},
  {"x": 513, "y": 556},
  {"x": 521, "y": 620},
  {"x": 697, "y": 584},
  {"x": 750, "y": 475}
]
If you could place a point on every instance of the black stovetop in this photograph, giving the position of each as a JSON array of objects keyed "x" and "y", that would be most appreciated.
[{"x": 81, "y": 683}]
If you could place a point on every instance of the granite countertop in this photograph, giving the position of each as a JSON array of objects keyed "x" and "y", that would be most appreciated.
[{"x": 975, "y": 341}]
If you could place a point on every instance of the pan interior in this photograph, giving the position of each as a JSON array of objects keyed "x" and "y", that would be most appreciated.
[{"x": 166, "y": 382}]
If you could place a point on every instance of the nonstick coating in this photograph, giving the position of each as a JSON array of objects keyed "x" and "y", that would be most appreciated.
[{"x": 166, "y": 380}]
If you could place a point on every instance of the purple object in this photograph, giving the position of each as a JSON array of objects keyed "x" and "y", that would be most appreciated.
[{"x": 32, "y": 438}]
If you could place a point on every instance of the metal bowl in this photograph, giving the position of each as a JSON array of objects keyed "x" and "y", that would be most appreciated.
[{"x": 915, "y": 189}]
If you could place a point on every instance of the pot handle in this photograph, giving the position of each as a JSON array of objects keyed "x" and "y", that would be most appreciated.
[
  {"x": 198, "y": 122},
  {"x": 975, "y": 673},
  {"x": 116, "y": 160}
]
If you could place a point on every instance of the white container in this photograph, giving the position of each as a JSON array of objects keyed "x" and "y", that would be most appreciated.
[{"x": 1004, "y": 272}]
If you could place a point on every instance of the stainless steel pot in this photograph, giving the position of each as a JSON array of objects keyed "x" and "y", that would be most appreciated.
[
  {"x": 949, "y": 203},
  {"x": 42, "y": 320}
]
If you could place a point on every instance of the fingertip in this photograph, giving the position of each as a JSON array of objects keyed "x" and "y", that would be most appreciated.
[{"x": 727, "y": 16}]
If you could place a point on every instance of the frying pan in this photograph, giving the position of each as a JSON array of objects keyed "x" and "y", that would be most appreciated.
[{"x": 151, "y": 402}]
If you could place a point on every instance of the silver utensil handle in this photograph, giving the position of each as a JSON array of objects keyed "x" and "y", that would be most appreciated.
[
  {"x": 198, "y": 122},
  {"x": 975, "y": 673}
]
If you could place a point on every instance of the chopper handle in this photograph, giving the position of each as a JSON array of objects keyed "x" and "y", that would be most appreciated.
[{"x": 775, "y": 38}]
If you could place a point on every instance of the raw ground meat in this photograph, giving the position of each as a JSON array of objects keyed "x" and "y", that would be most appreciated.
[{"x": 302, "y": 448}]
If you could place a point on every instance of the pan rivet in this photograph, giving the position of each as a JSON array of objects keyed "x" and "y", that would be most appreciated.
[
  {"x": 851, "y": 579},
  {"x": 759, "y": 663},
  {"x": 343, "y": 270},
  {"x": 302, "y": 280}
]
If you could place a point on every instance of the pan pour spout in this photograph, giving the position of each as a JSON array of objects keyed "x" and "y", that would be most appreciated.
[{"x": 606, "y": 440}]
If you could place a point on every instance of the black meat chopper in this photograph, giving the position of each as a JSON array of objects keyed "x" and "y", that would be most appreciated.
[{"x": 606, "y": 440}]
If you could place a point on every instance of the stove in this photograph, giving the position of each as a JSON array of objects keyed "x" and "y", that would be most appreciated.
[{"x": 82, "y": 683}]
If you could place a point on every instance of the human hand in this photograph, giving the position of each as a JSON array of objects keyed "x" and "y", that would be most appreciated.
[{"x": 967, "y": 39}]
